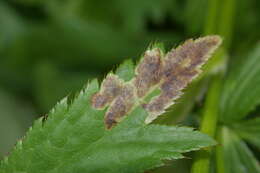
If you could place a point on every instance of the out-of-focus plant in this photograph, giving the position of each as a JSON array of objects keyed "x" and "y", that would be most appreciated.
[
  {"x": 232, "y": 96},
  {"x": 48, "y": 49},
  {"x": 106, "y": 128}
]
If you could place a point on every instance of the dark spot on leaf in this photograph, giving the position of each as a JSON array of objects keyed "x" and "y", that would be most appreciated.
[{"x": 149, "y": 72}]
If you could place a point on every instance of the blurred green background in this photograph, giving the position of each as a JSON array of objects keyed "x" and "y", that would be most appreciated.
[{"x": 51, "y": 48}]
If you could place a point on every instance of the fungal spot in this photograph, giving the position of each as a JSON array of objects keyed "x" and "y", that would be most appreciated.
[
  {"x": 110, "y": 88},
  {"x": 181, "y": 65},
  {"x": 158, "y": 81},
  {"x": 148, "y": 71},
  {"x": 99, "y": 100},
  {"x": 120, "y": 106}
]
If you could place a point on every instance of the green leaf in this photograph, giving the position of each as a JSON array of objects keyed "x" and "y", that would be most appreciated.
[
  {"x": 249, "y": 130},
  {"x": 237, "y": 157},
  {"x": 126, "y": 70},
  {"x": 76, "y": 138},
  {"x": 73, "y": 139},
  {"x": 240, "y": 93}
]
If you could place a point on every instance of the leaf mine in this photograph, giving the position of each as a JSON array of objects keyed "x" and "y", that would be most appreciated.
[
  {"x": 148, "y": 71},
  {"x": 171, "y": 74},
  {"x": 110, "y": 88},
  {"x": 181, "y": 65},
  {"x": 120, "y": 106}
]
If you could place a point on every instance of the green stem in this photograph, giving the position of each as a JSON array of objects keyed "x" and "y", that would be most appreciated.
[
  {"x": 209, "y": 120},
  {"x": 219, "y": 21},
  {"x": 220, "y": 18},
  {"x": 208, "y": 125},
  {"x": 225, "y": 25},
  {"x": 211, "y": 17},
  {"x": 220, "y": 151}
]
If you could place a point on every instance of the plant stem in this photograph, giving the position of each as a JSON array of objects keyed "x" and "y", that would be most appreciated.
[
  {"x": 211, "y": 17},
  {"x": 208, "y": 125},
  {"x": 220, "y": 151},
  {"x": 219, "y": 21},
  {"x": 226, "y": 23},
  {"x": 202, "y": 159},
  {"x": 209, "y": 120}
]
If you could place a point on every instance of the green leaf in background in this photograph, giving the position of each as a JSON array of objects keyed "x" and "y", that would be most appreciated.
[
  {"x": 239, "y": 97},
  {"x": 247, "y": 16},
  {"x": 241, "y": 93},
  {"x": 52, "y": 84},
  {"x": 249, "y": 130},
  {"x": 49, "y": 48},
  {"x": 12, "y": 26},
  {"x": 236, "y": 156},
  {"x": 16, "y": 116}
]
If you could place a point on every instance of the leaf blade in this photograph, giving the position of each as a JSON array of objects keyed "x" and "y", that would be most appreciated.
[
  {"x": 236, "y": 155},
  {"x": 240, "y": 94},
  {"x": 249, "y": 130}
]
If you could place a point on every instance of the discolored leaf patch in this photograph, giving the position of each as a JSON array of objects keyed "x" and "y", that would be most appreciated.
[
  {"x": 110, "y": 88},
  {"x": 170, "y": 73},
  {"x": 148, "y": 72},
  {"x": 74, "y": 139},
  {"x": 180, "y": 67},
  {"x": 120, "y": 106}
]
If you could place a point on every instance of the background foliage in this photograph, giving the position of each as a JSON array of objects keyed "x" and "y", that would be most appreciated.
[{"x": 49, "y": 49}]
